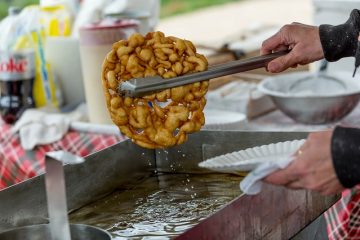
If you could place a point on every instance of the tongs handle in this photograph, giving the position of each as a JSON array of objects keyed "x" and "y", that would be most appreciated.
[{"x": 141, "y": 86}]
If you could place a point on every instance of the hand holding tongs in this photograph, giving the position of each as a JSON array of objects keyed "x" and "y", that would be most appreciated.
[{"x": 142, "y": 86}]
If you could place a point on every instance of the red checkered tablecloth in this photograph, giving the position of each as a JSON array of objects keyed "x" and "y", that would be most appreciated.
[
  {"x": 17, "y": 165},
  {"x": 343, "y": 219}
]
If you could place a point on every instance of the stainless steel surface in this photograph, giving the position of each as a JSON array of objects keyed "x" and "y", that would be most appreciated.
[
  {"x": 313, "y": 110},
  {"x": 329, "y": 103},
  {"x": 42, "y": 232},
  {"x": 56, "y": 199},
  {"x": 314, "y": 231},
  {"x": 56, "y": 194},
  {"x": 101, "y": 173},
  {"x": 140, "y": 86},
  {"x": 276, "y": 213},
  {"x": 305, "y": 83},
  {"x": 302, "y": 83}
]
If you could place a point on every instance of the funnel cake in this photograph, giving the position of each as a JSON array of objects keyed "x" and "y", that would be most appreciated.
[{"x": 161, "y": 119}]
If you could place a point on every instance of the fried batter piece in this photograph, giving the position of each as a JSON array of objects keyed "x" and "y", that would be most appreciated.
[{"x": 165, "y": 118}]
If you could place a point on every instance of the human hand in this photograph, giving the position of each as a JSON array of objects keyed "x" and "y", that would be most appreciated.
[
  {"x": 304, "y": 42},
  {"x": 312, "y": 167}
]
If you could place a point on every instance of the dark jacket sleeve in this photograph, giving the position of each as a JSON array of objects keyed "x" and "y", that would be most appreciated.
[
  {"x": 341, "y": 40},
  {"x": 345, "y": 151}
]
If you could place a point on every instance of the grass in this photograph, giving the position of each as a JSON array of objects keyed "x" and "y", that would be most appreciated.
[
  {"x": 4, "y": 5},
  {"x": 174, "y": 7},
  {"x": 168, "y": 7}
]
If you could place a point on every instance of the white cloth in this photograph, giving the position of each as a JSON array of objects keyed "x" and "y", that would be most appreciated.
[
  {"x": 37, "y": 127},
  {"x": 252, "y": 183}
]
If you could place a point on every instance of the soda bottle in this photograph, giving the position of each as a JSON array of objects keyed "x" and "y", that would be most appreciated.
[{"x": 17, "y": 74}]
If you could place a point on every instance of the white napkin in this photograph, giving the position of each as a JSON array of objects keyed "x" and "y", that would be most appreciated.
[
  {"x": 252, "y": 183},
  {"x": 43, "y": 126}
]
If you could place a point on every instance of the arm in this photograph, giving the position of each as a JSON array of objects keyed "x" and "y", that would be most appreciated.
[
  {"x": 310, "y": 43},
  {"x": 312, "y": 167},
  {"x": 328, "y": 162},
  {"x": 345, "y": 151},
  {"x": 340, "y": 41}
]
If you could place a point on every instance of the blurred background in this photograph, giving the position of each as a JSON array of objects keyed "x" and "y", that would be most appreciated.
[
  {"x": 168, "y": 7},
  {"x": 70, "y": 39}
]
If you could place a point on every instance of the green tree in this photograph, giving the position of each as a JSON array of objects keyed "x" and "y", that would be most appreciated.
[
  {"x": 5, "y": 4},
  {"x": 173, "y": 7},
  {"x": 3, "y": 9}
]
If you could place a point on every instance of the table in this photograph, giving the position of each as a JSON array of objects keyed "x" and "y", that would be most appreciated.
[{"x": 17, "y": 165}]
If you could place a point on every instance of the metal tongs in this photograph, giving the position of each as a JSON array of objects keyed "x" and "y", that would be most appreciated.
[{"x": 142, "y": 86}]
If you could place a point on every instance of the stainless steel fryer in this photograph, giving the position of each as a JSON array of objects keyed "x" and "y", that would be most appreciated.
[{"x": 275, "y": 213}]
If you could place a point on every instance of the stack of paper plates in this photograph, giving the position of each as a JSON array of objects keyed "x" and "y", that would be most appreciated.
[
  {"x": 248, "y": 159},
  {"x": 223, "y": 120}
]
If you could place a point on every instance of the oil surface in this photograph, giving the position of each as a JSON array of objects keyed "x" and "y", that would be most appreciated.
[{"x": 160, "y": 207}]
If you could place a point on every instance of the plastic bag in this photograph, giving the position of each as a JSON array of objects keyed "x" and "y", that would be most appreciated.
[
  {"x": 55, "y": 18},
  {"x": 10, "y": 29},
  {"x": 25, "y": 31}
]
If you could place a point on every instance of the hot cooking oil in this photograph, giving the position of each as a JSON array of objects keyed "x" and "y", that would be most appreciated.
[{"x": 161, "y": 207}]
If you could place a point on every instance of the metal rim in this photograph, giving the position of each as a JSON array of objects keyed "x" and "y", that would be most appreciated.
[
  {"x": 40, "y": 226},
  {"x": 262, "y": 88}
]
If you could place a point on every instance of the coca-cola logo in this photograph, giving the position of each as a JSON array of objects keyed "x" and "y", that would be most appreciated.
[
  {"x": 14, "y": 65},
  {"x": 17, "y": 65}
]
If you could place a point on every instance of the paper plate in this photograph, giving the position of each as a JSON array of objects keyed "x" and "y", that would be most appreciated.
[
  {"x": 248, "y": 159},
  {"x": 223, "y": 120}
]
